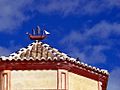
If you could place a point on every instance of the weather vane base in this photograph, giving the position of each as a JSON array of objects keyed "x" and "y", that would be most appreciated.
[{"x": 37, "y": 37}]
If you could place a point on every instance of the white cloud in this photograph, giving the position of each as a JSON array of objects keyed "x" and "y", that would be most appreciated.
[
  {"x": 92, "y": 43},
  {"x": 64, "y": 7},
  {"x": 93, "y": 54},
  {"x": 67, "y": 7},
  {"x": 104, "y": 29},
  {"x": 114, "y": 80},
  {"x": 89, "y": 54},
  {"x": 114, "y": 2},
  {"x": 5, "y": 51},
  {"x": 12, "y": 14}
]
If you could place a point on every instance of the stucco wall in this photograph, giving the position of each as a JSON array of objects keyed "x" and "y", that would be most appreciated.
[
  {"x": 77, "y": 82},
  {"x": 29, "y": 80},
  {"x": 47, "y": 79}
]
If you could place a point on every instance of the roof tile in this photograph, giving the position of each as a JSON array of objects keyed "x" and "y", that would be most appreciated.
[{"x": 41, "y": 51}]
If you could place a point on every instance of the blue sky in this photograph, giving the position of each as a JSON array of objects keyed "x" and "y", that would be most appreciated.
[{"x": 88, "y": 29}]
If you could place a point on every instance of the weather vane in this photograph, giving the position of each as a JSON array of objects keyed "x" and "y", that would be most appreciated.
[{"x": 37, "y": 35}]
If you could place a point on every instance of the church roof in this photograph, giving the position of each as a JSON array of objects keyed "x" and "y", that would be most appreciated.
[{"x": 40, "y": 51}]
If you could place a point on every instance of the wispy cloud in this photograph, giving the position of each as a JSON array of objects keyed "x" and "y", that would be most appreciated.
[
  {"x": 114, "y": 80},
  {"x": 93, "y": 42},
  {"x": 103, "y": 31},
  {"x": 12, "y": 14},
  {"x": 64, "y": 7},
  {"x": 114, "y": 2},
  {"x": 92, "y": 54},
  {"x": 76, "y": 6},
  {"x": 5, "y": 51}
]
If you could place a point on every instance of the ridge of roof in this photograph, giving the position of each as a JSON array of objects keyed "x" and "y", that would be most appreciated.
[{"x": 42, "y": 51}]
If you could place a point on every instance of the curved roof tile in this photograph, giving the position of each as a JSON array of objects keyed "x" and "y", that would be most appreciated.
[{"x": 40, "y": 51}]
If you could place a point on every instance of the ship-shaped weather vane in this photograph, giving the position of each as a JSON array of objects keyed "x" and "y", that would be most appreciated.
[{"x": 37, "y": 34}]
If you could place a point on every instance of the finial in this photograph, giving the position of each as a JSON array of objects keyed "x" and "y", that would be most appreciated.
[{"x": 36, "y": 34}]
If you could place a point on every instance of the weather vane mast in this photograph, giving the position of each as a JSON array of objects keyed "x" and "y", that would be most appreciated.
[{"x": 36, "y": 34}]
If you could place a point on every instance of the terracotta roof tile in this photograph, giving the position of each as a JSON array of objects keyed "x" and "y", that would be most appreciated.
[{"x": 40, "y": 51}]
